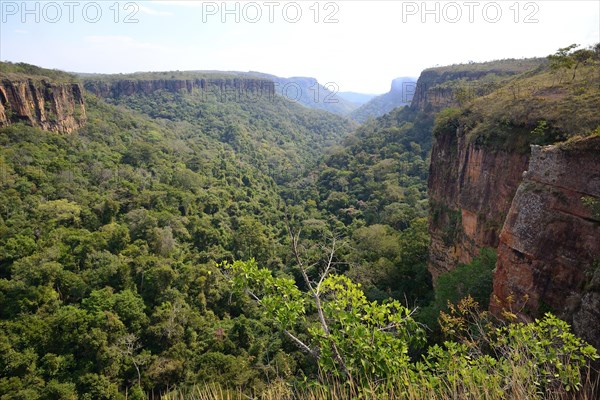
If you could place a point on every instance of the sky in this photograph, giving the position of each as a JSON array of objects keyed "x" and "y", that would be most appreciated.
[{"x": 359, "y": 46}]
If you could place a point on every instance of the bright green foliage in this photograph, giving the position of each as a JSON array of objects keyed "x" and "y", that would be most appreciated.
[
  {"x": 372, "y": 189},
  {"x": 278, "y": 137},
  {"x": 279, "y": 296},
  {"x": 559, "y": 355},
  {"x": 372, "y": 339},
  {"x": 109, "y": 239},
  {"x": 515, "y": 360}
]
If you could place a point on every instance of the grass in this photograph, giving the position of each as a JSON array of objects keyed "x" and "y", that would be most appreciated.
[
  {"x": 511, "y": 118},
  {"x": 540, "y": 360},
  {"x": 520, "y": 387},
  {"x": 24, "y": 71},
  {"x": 506, "y": 66}
]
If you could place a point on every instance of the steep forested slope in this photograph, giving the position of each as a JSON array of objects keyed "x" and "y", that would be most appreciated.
[
  {"x": 269, "y": 131},
  {"x": 371, "y": 191}
]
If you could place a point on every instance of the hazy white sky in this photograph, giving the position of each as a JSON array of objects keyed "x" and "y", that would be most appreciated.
[{"x": 359, "y": 45}]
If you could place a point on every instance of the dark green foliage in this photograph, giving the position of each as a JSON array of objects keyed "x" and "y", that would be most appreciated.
[
  {"x": 372, "y": 189},
  {"x": 111, "y": 240},
  {"x": 277, "y": 136},
  {"x": 108, "y": 243},
  {"x": 473, "y": 279}
]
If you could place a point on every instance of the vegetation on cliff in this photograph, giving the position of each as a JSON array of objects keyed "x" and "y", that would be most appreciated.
[{"x": 543, "y": 106}]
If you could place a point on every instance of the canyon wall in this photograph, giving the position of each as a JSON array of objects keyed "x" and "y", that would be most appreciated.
[
  {"x": 470, "y": 192},
  {"x": 549, "y": 246},
  {"x": 537, "y": 205},
  {"x": 57, "y": 107},
  {"x": 222, "y": 88}
]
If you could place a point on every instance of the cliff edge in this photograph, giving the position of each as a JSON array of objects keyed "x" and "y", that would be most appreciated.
[
  {"x": 52, "y": 106},
  {"x": 550, "y": 243}
]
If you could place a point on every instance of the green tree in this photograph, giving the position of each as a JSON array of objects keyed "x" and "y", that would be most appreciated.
[{"x": 353, "y": 339}]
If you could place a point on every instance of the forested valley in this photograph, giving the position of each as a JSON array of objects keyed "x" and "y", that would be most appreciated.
[{"x": 180, "y": 245}]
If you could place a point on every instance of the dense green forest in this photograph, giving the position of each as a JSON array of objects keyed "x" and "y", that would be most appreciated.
[{"x": 177, "y": 243}]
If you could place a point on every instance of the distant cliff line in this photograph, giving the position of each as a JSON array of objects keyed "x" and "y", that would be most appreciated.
[{"x": 219, "y": 89}]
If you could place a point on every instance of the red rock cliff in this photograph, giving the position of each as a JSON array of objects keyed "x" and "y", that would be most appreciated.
[
  {"x": 550, "y": 241},
  {"x": 470, "y": 192},
  {"x": 56, "y": 107}
]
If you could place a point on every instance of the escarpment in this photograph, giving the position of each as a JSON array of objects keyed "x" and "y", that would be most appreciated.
[
  {"x": 222, "y": 88},
  {"x": 52, "y": 106},
  {"x": 470, "y": 192},
  {"x": 470, "y": 185},
  {"x": 550, "y": 244},
  {"x": 518, "y": 170},
  {"x": 438, "y": 88}
]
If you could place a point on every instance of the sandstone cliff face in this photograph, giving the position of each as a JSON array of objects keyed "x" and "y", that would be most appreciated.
[
  {"x": 470, "y": 192},
  {"x": 551, "y": 239},
  {"x": 217, "y": 86},
  {"x": 56, "y": 107}
]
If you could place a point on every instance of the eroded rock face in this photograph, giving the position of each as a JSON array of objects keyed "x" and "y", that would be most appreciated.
[
  {"x": 222, "y": 87},
  {"x": 57, "y": 107},
  {"x": 550, "y": 243},
  {"x": 470, "y": 192}
]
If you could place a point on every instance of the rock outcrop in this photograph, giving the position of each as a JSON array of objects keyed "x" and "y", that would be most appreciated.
[
  {"x": 549, "y": 246},
  {"x": 539, "y": 208},
  {"x": 222, "y": 88},
  {"x": 57, "y": 107},
  {"x": 471, "y": 186},
  {"x": 470, "y": 192}
]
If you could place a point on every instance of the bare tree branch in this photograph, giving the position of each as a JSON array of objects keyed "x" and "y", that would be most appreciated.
[
  {"x": 298, "y": 342},
  {"x": 328, "y": 267},
  {"x": 316, "y": 297},
  {"x": 301, "y": 344}
]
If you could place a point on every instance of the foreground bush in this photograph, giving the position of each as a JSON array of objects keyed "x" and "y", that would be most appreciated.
[{"x": 362, "y": 348}]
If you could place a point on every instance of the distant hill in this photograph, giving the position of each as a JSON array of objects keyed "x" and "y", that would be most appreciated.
[
  {"x": 303, "y": 90},
  {"x": 310, "y": 93},
  {"x": 400, "y": 94},
  {"x": 357, "y": 98}
]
